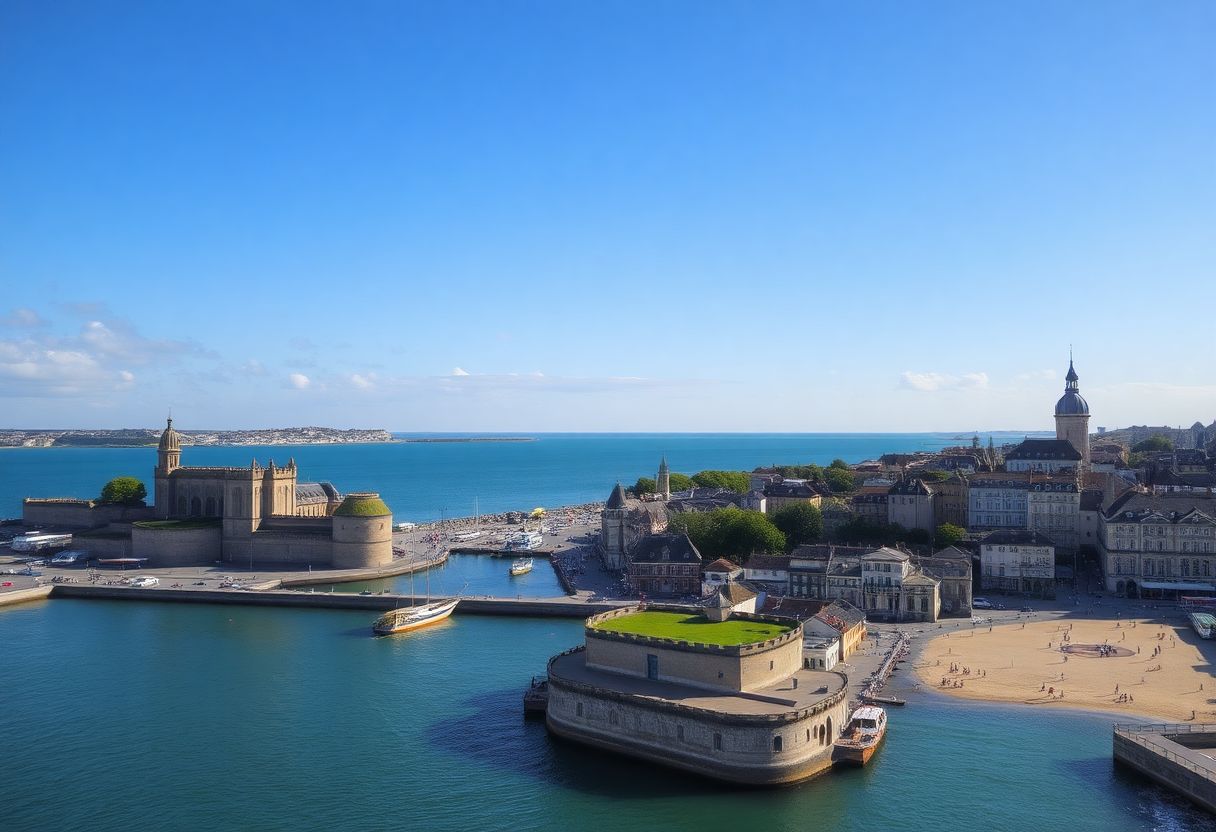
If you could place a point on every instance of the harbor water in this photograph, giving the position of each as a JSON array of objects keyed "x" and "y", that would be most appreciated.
[
  {"x": 470, "y": 576},
  {"x": 124, "y": 715}
]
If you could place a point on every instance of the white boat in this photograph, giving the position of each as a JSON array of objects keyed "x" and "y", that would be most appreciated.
[
  {"x": 145, "y": 581},
  {"x": 404, "y": 619},
  {"x": 70, "y": 557},
  {"x": 37, "y": 541},
  {"x": 524, "y": 542},
  {"x": 1203, "y": 623},
  {"x": 466, "y": 536},
  {"x": 521, "y": 566},
  {"x": 860, "y": 739}
]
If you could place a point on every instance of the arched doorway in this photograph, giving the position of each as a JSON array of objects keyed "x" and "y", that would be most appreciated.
[
  {"x": 830, "y": 735},
  {"x": 196, "y": 507},
  {"x": 210, "y": 506},
  {"x": 1132, "y": 590}
]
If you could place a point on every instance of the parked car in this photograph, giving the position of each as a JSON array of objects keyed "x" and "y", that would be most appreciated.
[{"x": 981, "y": 604}]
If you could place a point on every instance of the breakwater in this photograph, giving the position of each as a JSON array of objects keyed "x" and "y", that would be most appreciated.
[{"x": 543, "y": 607}]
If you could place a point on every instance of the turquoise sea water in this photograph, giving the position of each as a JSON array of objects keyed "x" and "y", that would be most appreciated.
[
  {"x": 121, "y": 716},
  {"x": 425, "y": 481}
]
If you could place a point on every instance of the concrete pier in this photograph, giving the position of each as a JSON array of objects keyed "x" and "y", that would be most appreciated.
[
  {"x": 1181, "y": 757},
  {"x": 557, "y": 607}
]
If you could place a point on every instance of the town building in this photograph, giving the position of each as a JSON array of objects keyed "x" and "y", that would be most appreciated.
[
  {"x": 1053, "y": 508},
  {"x": 649, "y": 683},
  {"x": 997, "y": 501},
  {"x": 871, "y": 507},
  {"x": 843, "y": 621},
  {"x": 768, "y": 570},
  {"x": 259, "y": 514},
  {"x": 1018, "y": 561},
  {"x": 666, "y": 564},
  {"x": 1044, "y": 456},
  {"x": 952, "y": 568},
  {"x": 910, "y": 504},
  {"x": 1159, "y": 545},
  {"x": 721, "y": 571},
  {"x": 778, "y": 495},
  {"x": 950, "y": 502}
]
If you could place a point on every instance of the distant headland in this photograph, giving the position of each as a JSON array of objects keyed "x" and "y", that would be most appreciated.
[{"x": 141, "y": 437}]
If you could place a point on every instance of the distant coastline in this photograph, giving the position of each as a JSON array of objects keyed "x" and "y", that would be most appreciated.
[
  {"x": 469, "y": 439},
  {"x": 144, "y": 437}
]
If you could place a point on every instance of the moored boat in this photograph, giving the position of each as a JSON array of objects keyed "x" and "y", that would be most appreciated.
[
  {"x": 404, "y": 619},
  {"x": 521, "y": 566},
  {"x": 859, "y": 741}
]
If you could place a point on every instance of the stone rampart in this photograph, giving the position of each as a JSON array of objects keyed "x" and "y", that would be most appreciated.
[
  {"x": 759, "y": 749},
  {"x": 1165, "y": 753},
  {"x": 71, "y": 514},
  {"x": 169, "y": 546}
]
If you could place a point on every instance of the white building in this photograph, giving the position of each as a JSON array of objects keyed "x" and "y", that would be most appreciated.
[{"x": 1018, "y": 561}]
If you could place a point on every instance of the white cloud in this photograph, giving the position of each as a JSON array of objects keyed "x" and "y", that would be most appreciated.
[
  {"x": 362, "y": 382},
  {"x": 299, "y": 381},
  {"x": 458, "y": 371},
  {"x": 126, "y": 376},
  {"x": 931, "y": 382}
]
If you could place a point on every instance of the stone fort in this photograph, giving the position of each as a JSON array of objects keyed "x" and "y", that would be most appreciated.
[{"x": 260, "y": 514}]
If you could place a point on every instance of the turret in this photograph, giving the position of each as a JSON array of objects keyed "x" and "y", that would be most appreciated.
[
  {"x": 168, "y": 459},
  {"x": 1072, "y": 415},
  {"x": 662, "y": 482},
  {"x": 363, "y": 532}
]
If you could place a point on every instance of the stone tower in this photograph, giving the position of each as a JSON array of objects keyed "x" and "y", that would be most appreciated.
[
  {"x": 1072, "y": 416},
  {"x": 662, "y": 483},
  {"x": 612, "y": 528},
  {"x": 168, "y": 459}
]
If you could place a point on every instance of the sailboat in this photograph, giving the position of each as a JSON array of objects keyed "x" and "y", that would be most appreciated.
[{"x": 404, "y": 619}]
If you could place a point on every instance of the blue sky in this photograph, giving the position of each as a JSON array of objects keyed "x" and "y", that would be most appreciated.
[{"x": 610, "y": 216}]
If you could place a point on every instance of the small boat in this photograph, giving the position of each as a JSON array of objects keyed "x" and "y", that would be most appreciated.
[
  {"x": 860, "y": 739},
  {"x": 536, "y": 697},
  {"x": 877, "y": 699},
  {"x": 521, "y": 566},
  {"x": 404, "y": 619}
]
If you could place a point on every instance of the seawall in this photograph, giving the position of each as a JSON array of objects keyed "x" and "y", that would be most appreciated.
[
  {"x": 23, "y": 596},
  {"x": 539, "y": 607}
]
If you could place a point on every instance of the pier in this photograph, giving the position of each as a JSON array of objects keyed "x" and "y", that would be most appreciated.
[{"x": 1181, "y": 757}]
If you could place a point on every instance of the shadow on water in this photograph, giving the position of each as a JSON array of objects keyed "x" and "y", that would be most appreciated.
[
  {"x": 1155, "y": 806},
  {"x": 493, "y": 731}
]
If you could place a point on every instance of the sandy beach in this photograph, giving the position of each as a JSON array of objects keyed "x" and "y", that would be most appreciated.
[{"x": 1130, "y": 666}]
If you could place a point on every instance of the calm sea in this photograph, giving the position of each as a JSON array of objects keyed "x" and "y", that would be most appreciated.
[
  {"x": 121, "y": 716},
  {"x": 426, "y": 481}
]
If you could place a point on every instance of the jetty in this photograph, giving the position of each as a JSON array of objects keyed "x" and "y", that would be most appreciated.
[{"x": 1181, "y": 757}]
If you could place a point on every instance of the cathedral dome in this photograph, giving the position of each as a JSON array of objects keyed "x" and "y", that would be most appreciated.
[
  {"x": 1072, "y": 403},
  {"x": 169, "y": 440}
]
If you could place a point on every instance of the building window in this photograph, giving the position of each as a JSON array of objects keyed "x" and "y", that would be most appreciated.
[
  {"x": 717, "y": 742},
  {"x": 612, "y": 718},
  {"x": 680, "y": 732},
  {"x": 578, "y": 709},
  {"x": 776, "y": 743}
]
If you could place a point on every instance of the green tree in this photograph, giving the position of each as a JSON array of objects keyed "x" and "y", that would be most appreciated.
[
  {"x": 644, "y": 485},
  {"x": 800, "y": 523},
  {"x": 126, "y": 491},
  {"x": 920, "y": 536},
  {"x": 949, "y": 534},
  {"x": 736, "y": 481},
  {"x": 840, "y": 480},
  {"x": 839, "y": 464},
  {"x": 861, "y": 531},
  {"x": 934, "y": 476},
  {"x": 730, "y": 533},
  {"x": 679, "y": 482},
  {"x": 1153, "y": 445}
]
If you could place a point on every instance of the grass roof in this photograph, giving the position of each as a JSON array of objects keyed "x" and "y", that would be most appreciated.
[
  {"x": 681, "y": 626},
  {"x": 360, "y": 505}
]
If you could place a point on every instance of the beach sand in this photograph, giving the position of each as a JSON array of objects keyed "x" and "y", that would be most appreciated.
[{"x": 1013, "y": 663}]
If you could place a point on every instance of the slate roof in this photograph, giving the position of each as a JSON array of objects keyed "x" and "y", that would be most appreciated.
[
  {"x": 1045, "y": 449},
  {"x": 770, "y": 562},
  {"x": 886, "y": 554},
  {"x": 1137, "y": 507},
  {"x": 952, "y": 552},
  {"x": 1017, "y": 537},
  {"x": 617, "y": 498},
  {"x": 791, "y": 488},
  {"x": 311, "y": 493},
  {"x": 665, "y": 548},
  {"x": 841, "y": 616},
  {"x": 911, "y": 487},
  {"x": 733, "y": 593},
  {"x": 1091, "y": 500}
]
